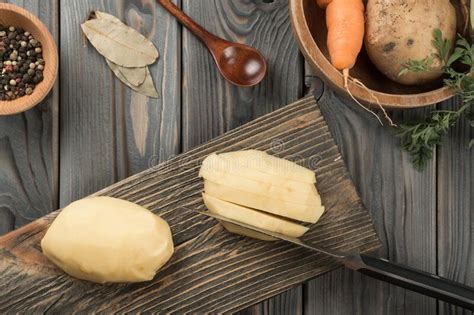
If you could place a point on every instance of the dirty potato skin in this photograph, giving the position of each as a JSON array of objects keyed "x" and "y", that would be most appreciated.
[{"x": 400, "y": 30}]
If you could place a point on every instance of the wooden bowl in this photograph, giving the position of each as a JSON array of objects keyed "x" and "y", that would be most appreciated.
[
  {"x": 11, "y": 15},
  {"x": 309, "y": 25}
]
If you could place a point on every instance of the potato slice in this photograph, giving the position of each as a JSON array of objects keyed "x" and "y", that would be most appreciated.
[
  {"x": 215, "y": 163},
  {"x": 264, "y": 188},
  {"x": 232, "y": 228},
  {"x": 271, "y": 204},
  {"x": 252, "y": 217},
  {"x": 258, "y": 160}
]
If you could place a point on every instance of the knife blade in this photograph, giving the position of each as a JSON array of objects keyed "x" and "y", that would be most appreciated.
[
  {"x": 289, "y": 239},
  {"x": 379, "y": 268}
]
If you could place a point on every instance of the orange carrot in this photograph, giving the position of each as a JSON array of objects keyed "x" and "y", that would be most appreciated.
[
  {"x": 323, "y": 3},
  {"x": 345, "y": 22}
]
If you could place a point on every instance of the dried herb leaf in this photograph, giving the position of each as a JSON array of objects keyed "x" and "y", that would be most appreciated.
[
  {"x": 147, "y": 88},
  {"x": 106, "y": 16},
  {"x": 135, "y": 76},
  {"x": 120, "y": 43}
]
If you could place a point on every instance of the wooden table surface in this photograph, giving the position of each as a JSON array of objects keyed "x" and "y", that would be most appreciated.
[{"x": 92, "y": 131}]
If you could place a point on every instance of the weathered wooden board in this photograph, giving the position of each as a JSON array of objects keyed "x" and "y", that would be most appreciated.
[
  {"x": 109, "y": 132},
  {"x": 211, "y": 270},
  {"x": 456, "y": 207},
  {"x": 28, "y": 148}
]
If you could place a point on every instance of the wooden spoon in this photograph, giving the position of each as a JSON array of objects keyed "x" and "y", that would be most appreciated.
[{"x": 239, "y": 64}]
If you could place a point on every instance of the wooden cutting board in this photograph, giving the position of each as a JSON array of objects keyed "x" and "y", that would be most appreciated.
[{"x": 211, "y": 270}]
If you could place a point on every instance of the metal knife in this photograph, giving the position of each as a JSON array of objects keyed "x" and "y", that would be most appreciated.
[{"x": 379, "y": 268}]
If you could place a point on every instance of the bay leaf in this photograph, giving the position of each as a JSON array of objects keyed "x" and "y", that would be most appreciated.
[
  {"x": 107, "y": 16},
  {"x": 120, "y": 43},
  {"x": 135, "y": 76},
  {"x": 146, "y": 88}
]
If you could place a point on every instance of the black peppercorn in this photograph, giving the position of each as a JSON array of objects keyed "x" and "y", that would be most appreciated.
[{"x": 21, "y": 63}]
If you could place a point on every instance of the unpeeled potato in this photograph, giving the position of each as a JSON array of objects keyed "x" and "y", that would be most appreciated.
[{"x": 401, "y": 30}]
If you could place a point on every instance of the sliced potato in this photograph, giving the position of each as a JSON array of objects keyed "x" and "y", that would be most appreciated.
[
  {"x": 265, "y": 189},
  {"x": 215, "y": 163},
  {"x": 271, "y": 204},
  {"x": 252, "y": 217},
  {"x": 258, "y": 160},
  {"x": 232, "y": 228}
]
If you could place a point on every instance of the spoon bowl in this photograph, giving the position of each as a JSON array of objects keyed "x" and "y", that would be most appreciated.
[{"x": 239, "y": 64}]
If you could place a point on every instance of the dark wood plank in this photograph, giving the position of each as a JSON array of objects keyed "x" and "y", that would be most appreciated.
[
  {"x": 28, "y": 148},
  {"x": 211, "y": 106},
  {"x": 211, "y": 270},
  {"x": 402, "y": 203},
  {"x": 109, "y": 132},
  {"x": 455, "y": 207}
]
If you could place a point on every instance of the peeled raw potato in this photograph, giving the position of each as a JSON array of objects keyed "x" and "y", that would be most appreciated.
[
  {"x": 401, "y": 30},
  {"x": 104, "y": 239},
  {"x": 261, "y": 161},
  {"x": 305, "y": 194},
  {"x": 271, "y": 204},
  {"x": 216, "y": 163},
  {"x": 252, "y": 217},
  {"x": 255, "y": 188}
]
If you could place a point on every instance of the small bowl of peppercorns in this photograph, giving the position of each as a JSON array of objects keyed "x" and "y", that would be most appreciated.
[{"x": 28, "y": 60}]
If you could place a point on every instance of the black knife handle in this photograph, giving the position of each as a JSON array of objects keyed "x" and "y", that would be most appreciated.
[{"x": 412, "y": 279}]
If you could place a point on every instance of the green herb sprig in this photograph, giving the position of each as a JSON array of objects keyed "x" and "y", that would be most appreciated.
[{"x": 420, "y": 138}]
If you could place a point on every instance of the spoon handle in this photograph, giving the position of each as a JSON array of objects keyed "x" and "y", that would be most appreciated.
[{"x": 189, "y": 23}]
